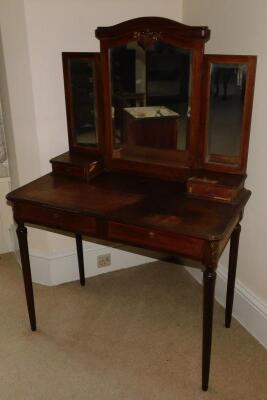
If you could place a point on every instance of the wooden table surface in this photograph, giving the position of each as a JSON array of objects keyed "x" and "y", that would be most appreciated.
[
  {"x": 148, "y": 213},
  {"x": 144, "y": 202}
]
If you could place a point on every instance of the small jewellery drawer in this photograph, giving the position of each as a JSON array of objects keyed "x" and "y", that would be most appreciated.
[
  {"x": 156, "y": 240},
  {"x": 53, "y": 218},
  {"x": 69, "y": 170}
]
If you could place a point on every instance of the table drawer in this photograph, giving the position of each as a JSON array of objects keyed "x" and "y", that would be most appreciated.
[
  {"x": 53, "y": 218},
  {"x": 157, "y": 240}
]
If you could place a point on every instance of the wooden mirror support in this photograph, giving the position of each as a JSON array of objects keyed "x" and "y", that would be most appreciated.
[
  {"x": 149, "y": 32},
  {"x": 218, "y": 83},
  {"x": 228, "y": 98}
]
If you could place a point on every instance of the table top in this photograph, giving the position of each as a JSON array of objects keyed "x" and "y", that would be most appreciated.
[{"x": 146, "y": 202}]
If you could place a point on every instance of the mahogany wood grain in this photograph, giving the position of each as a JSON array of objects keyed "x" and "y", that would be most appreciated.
[
  {"x": 77, "y": 165},
  {"x": 26, "y": 270},
  {"x": 55, "y": 218},
  {"x": 223, "y": 163},
  {"x": 79, "y": 245},
  {"x": 67, "y": 58},
  {"x": 138, "y": 197},
  {"x": 145, "y": 202},
  {"x": 178, "y": 35},
  {"x": 146, "y": 212},
  {"x": 154, "y": 24},
  {"x": 215, "y": 186},
  {"x": 233, "y": 255},
  {"x": 157, "y": 240},
  {"x": 209, "y": 278}
]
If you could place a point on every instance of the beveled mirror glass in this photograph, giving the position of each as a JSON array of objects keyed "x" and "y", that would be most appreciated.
[
  {"x": 226, "y": 106},
  {"x": 82, "y": 77},
  {"x": 151, "y": 96}
]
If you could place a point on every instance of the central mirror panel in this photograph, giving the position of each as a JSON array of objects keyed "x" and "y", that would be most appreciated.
[{"x": 151, "y": 96}]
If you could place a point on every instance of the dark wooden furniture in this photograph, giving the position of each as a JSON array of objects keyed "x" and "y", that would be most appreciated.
[
  {"x": 185, "y": 203},
  {"x": 122, "y": 100},
  {"x": 146, "y": 129}
]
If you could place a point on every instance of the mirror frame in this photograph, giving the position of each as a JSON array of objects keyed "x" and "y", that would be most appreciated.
[
  {"x": 74, "y": 146},
  {"x": 224, "y": 163},
  {"x": 150, "y": 30}
]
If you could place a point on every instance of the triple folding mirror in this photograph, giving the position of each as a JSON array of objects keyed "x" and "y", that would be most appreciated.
[{"x": 157, "y": 99}]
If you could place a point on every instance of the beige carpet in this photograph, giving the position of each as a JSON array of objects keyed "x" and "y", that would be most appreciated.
[{"x": 133, "y": 334}]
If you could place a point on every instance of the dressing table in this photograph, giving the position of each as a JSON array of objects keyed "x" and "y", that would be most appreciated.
[{"x": 158, "y": 143}]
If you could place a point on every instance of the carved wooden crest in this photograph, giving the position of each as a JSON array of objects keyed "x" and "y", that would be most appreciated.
[{"x": 147, "y": 38}]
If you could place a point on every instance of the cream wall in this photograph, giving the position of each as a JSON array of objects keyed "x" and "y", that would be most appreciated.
[
  {"x": 18, "y": 102},
  {"x": 239, "y": 27},
  {"x": 68, "y": 25},
  {"x": 54, "y": 26},
  {"x": 16, "y": 93},
  {"x": 34, "y": 34}
]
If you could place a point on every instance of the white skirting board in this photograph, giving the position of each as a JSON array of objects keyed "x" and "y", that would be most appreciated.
[
  {"x": 5, "y": 216},
  {"x": 63, "y": 267},
  {"x": 248, "y": 309}
]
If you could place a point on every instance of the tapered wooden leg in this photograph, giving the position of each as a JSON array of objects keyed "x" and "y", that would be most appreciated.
[
  {"x": 209, "y": 278},
  {"x": 79, "y": 244},
  {"x": 26, "y": 269},
  {"x": 234, "y": 244}
]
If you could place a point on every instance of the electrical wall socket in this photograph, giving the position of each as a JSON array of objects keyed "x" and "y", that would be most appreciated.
[{"x": 103, "y": 260}]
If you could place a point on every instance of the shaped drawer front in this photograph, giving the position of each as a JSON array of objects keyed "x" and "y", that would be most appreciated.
[
  {"x": 54, "y": 218},
  {"x": 157, "y": 240},
  {"x": 69, "y": 170}
]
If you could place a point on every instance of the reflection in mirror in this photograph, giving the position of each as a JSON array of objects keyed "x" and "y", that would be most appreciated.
[
  {"x": 226, "y": 103},
  {"x": 151, "y": 93},
  {"x": 82, "y": 77}
]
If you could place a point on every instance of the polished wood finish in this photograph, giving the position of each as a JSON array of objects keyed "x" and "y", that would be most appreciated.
[
  {"x": 156, "y": 239},
  {"x": 153, "y": 24},
  {"x": 26, "y": 270},
  {"x": 209, "y": 278},
  {"x": 223, "y": 163},
  {"x": 77, "y": 165},
  {"x": 156, "y": 162},
  {"x": 79, "y": 245},
  {"x": 147, "y": 132},
  {"x": 215, "y": 186},
  {"x": 145, "y": 212},
  {"x": 143, "y": 202},
  {"x": 160, "y": 200},
  {"x": 67, "y": 58},
  {"x": 233, "y": 255},
  {"x": 165, "y": 162}
]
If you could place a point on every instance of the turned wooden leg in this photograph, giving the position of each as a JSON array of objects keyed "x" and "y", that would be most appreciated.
[
  {"x": 209, "y": 278},
  {"x": 234, "y": 243},
  {"x": 79, "y": 244},
  {"x": 26, "y": 269}
]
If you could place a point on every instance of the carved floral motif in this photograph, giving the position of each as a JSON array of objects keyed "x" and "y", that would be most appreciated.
[{"x": 147, "y": 38}]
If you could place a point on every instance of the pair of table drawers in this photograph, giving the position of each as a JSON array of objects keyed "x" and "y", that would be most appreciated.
[{"x": 131, "y": 234}]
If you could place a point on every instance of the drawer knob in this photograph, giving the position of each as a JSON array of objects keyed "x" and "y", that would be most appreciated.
[{"x": 151, "y": 234}]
